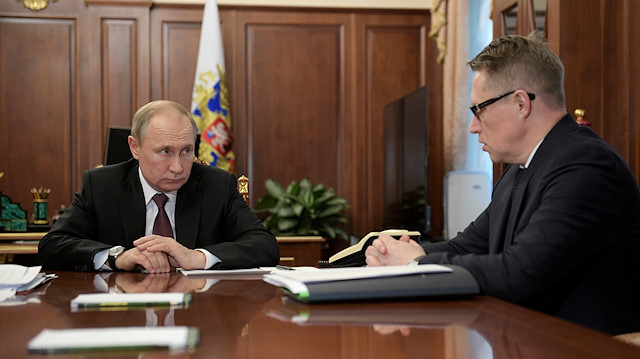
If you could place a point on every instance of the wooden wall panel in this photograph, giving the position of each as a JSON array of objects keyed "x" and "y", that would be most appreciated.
[
  {"x": 292, "y": 116},
  {"x": 38, "y": 67},
  {"x": 294, "y": 102},
  {"x": 616, "y": 85},
  {"x": 395, "y": 58},
  {"x": 632, "y": 73},
  {"x": 620, "y": 122},
  {"x": 118, "y": 71},
  {"x": 598, "y": 43},
  {"x": 568, "y": 39},
  {"x": 175, "y": 37},
  {"x": 120, "y": 50}
]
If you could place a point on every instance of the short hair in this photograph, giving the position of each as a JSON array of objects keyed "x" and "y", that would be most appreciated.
[
  {"x": 146, "y": 112},
  {"x": 517, "y": 62}
]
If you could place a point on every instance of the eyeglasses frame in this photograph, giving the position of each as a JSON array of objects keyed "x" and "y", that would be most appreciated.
[{"x": 475, "y": 109}]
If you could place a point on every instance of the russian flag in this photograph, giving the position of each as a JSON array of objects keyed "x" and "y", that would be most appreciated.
[{"x": 210, "y": 100}]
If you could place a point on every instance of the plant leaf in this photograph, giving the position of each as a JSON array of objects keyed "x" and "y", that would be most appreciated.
[
  {"x": 305, "y": 183},
  {"x": 329, "y": 230},
  {"x": 293, "y": 188},
  {"x": 297, "y": 209},
  {"x": 285, "y": 224},
  {"x": 273, "y": 188},
  {"x": 342, "y": 233},
  {"x": 265, "y": 203},
  {"x": 324, "y": 196},
  {"x": 306, "y": 197},
  {"x": 337, "y": 201},
  {"x": 330, "y": 211},
  {"x": 286, "y": 212}
]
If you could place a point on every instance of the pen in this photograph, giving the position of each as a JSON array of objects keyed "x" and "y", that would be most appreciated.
[{"x": 284, "y": 267}]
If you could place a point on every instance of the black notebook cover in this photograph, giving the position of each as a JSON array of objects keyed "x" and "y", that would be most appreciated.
[{"x": 458, "y": 283}]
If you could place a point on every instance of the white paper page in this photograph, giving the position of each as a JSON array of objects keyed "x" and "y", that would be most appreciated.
[
  {"x": 335, "y": 274},
  {"x": 294, "y": 286},
  {"x": 124, "y": 299},
  {"x": 50, "y": 340},
  {"x": 286, "y": 268},
  {"x": 14, "y": 275}
]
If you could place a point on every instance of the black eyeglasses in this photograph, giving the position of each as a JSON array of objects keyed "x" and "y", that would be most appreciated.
[{"x": 476, "y": 108}]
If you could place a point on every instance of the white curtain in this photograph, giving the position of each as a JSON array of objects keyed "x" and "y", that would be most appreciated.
[
  {"x": 481, "y": 35},
  {"x": 462, "y": 28}
]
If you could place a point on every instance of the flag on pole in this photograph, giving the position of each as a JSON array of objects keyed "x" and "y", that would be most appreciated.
[{"x": 210, "y": 100}]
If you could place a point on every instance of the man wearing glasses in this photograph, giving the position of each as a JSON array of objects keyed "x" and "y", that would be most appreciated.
[{"x": 562, "y": 232}]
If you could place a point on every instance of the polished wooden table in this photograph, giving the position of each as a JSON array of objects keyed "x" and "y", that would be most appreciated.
[{"x": 248, "y": 318}]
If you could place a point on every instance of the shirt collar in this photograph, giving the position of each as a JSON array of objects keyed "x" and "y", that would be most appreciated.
[
  {"x": 535, "y": 149},
  {"x": 149, "y": 192}
]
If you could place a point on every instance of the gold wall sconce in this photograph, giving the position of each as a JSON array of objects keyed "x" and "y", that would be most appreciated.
[{"x": 35, "y": 5}]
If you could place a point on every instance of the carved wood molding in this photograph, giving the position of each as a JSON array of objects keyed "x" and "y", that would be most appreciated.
[{"x": 145, "y": 3}]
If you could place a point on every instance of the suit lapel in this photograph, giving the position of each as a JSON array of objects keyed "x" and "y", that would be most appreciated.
[
  {"x": 132, "y": 207},
  {"x": 516, "y": 205},
  {"x": 500, "y": 208},
  {"x": 188, "y": 208}
]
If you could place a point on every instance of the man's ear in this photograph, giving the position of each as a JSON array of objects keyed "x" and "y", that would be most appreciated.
[
  {"x": 134, "y": 147},
  {"x": 523, "y": 102}
]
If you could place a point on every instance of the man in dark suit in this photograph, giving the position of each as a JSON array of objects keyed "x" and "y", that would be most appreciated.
[
  {"x": 562, "y": 232},
  {"x": 110, "y": 223}
]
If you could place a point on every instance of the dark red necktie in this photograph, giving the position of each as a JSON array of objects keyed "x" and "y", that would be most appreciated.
[{"x": 162, "y": 226}]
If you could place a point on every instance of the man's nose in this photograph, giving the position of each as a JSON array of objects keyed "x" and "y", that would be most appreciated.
[
  {"x": 474, "y": 126},
  {"x": 176, "y": 165}
]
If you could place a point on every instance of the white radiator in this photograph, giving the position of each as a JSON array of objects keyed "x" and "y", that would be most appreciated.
[{"x": 466, "y": 195}]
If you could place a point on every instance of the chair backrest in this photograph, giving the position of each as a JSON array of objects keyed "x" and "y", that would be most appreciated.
[
  {"x": 243, "y": 183},
  {"x": 243, "y": 188}
]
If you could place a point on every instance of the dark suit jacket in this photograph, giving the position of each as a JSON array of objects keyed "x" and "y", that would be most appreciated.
[
  {"x": 109, "y": 210},
  {"x": 568, "y": 242}
]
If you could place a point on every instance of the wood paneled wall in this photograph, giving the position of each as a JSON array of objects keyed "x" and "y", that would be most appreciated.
[
  {"x": 599, "y": 43},
  {"x": 307, "y": 90}
]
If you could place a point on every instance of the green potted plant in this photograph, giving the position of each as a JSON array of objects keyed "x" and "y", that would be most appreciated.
[{"x": 303, "y": 209}]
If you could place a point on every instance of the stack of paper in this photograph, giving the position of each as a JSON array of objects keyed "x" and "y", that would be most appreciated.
[
  {"x": 296, "y": 282},
  {"x": 111, "y": 300},
  {"x": 138, "y": 338},
  {"x": 16, "y": 278}
]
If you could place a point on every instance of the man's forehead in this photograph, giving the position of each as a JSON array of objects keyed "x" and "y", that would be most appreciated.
[
  {"x": 477, "y": 87},
  {"x": 161, "y": 130}
]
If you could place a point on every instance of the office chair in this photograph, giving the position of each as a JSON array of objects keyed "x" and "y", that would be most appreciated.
[{"x": 243, "y": 182}]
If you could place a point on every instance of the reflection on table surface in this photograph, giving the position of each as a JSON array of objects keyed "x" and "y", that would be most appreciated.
[{"x": 252, "y": 319}]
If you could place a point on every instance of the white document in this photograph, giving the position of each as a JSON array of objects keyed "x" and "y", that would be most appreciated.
[
  {"x": 97, "y": 300},
  {"x": 79, "y": 339},
  {"x": 333, "y": 274},
  {"x": 14, "y": 275}
]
